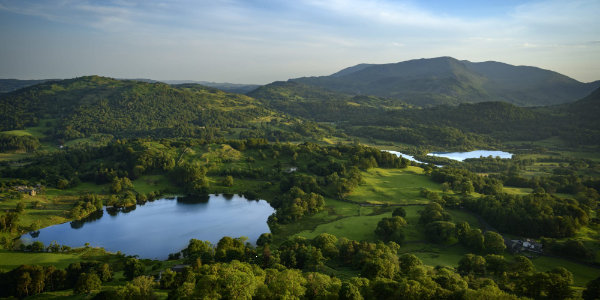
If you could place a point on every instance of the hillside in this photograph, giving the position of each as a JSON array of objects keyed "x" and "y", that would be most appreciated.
[
  {"x": 445, "y": 80},
  {"x": 223, "y": 86},
  {"x": 319, "y": 104},
  {"x": 84, "y": 106}
]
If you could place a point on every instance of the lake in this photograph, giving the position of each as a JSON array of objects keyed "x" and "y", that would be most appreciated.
[
  {"x": 163, "y": 226},
  {"x": 460, "y": 156}
]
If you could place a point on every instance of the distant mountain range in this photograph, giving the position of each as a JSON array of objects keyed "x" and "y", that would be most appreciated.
[{"x": 445, "y": 80}]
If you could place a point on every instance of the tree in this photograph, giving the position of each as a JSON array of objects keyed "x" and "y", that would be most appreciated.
[
  {"x": 592, "y": 290},
  {"x": 440, "y": 231},
  {"x": 62, "y": 184},
  {"x": 197, "y": 248},
  {"x": 493, "y": 242},
  {"x": 23, "y": 283},
  {"x": 391, "y": 229},
  {"x": 475, "y": 240},
  {"x": 408, "y": 262},
  {"x": 133, "y": 268},
  {"x": 115, "y": 186},
  {"x": 228, "y": 181},
  {"x": 399, "y": 212},
  {"x": 349, "y": 291},
  {"x": 462, "y": 230},
  {"x": 472, "y": 264},
  {"x": 265, "y": 238},
  {"x": 37, "y": 246},
  {"x": 287, "y": 284},
  {"x": 521, "y": 265},
  {"x": 105, "y": 272},
  {"x": 467, "y": 187},
  {"x": 496, "y": 263},
  {"x": 20, "y": 207},
  {"x": 327, "y": 243},
  {"x": 433, "y": 212},
  {"x": 141, "y": 287},
  {"x": 87, "y": 282},
  {"x": 167, "y": 280},
  {"x": 321, "y": 286}
]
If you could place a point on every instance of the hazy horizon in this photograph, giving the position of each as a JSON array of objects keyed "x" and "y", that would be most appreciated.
[{"x": 260, "y": 41}]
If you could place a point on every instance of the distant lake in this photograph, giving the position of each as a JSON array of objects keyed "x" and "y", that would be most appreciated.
[
  {"x": 163, "y": 226},
  {"x": 460, "y": 156}
]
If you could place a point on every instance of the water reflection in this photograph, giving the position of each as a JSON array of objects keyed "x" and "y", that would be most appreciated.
[
  {"x": 77, "y": 224},
  {"x": 163, "y": 226}
]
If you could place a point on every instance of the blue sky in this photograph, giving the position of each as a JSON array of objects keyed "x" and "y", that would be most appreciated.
[{"x": 259, "y": 41}]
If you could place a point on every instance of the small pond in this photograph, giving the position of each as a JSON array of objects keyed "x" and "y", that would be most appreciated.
[
  {"x": 460, "y": 156},
  {"x": 163, "y": 226}
]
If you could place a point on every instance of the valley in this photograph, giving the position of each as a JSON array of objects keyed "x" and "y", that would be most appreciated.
[{"x": 338, "y": 206}]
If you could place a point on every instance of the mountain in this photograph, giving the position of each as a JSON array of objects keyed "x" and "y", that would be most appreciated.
[{"x": 445, "y": 80}]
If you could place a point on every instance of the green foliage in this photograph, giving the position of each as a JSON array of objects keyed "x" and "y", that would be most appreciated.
[
  {"x": 391, "y": 229},
  {"x": 433, "y": 212},
  {"x": 199, "y": 249},
  {"x": 25, "y": 143},
  {"x": 87, "y": 283},
  {"x": 295, "y": 203},
  {"x": 592, "y": 290},
  {"x": 263, "y": 239},
  {"x": 228, "y": 181},
  {"x": 440, "y": 231},
  {"x": 128, "y": 108},
  {"x": 86, "y": 205},
  {"x": 9, "y": 222},
  {"x": 531, "y": 215},
  {"x": 133, "y": 268},
  {"x": 399, "y": 212},
  {"x": 493, "y": 242}
]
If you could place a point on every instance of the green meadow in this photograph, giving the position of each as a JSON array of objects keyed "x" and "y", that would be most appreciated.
[{"x": 394, "y": 186}]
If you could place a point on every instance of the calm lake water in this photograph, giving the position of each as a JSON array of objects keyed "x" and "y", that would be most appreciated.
[
  {"x": 460, "y": 156},
  {"x": 164, "y": 226}
]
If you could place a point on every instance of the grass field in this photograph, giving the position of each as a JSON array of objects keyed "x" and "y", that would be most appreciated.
[
  {"x": 517, "y": 191},
  {"x": 394, "y": 186},
  {"x": 17, "y": 132},
  {"x": 358, "y": 228},
  {"x": 151, "y": 183},
  {"x": 582, "y": 274},
  {"x": 11, "y": 259}
]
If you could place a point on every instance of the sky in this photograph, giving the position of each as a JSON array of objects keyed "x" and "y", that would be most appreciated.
[{"x": 260, "y": 41}]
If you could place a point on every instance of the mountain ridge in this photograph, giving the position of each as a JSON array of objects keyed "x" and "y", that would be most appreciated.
[{"x": 446, "y": 80}]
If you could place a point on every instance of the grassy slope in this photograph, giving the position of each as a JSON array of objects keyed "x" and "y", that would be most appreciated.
[{"x": 394, "y": 186}]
